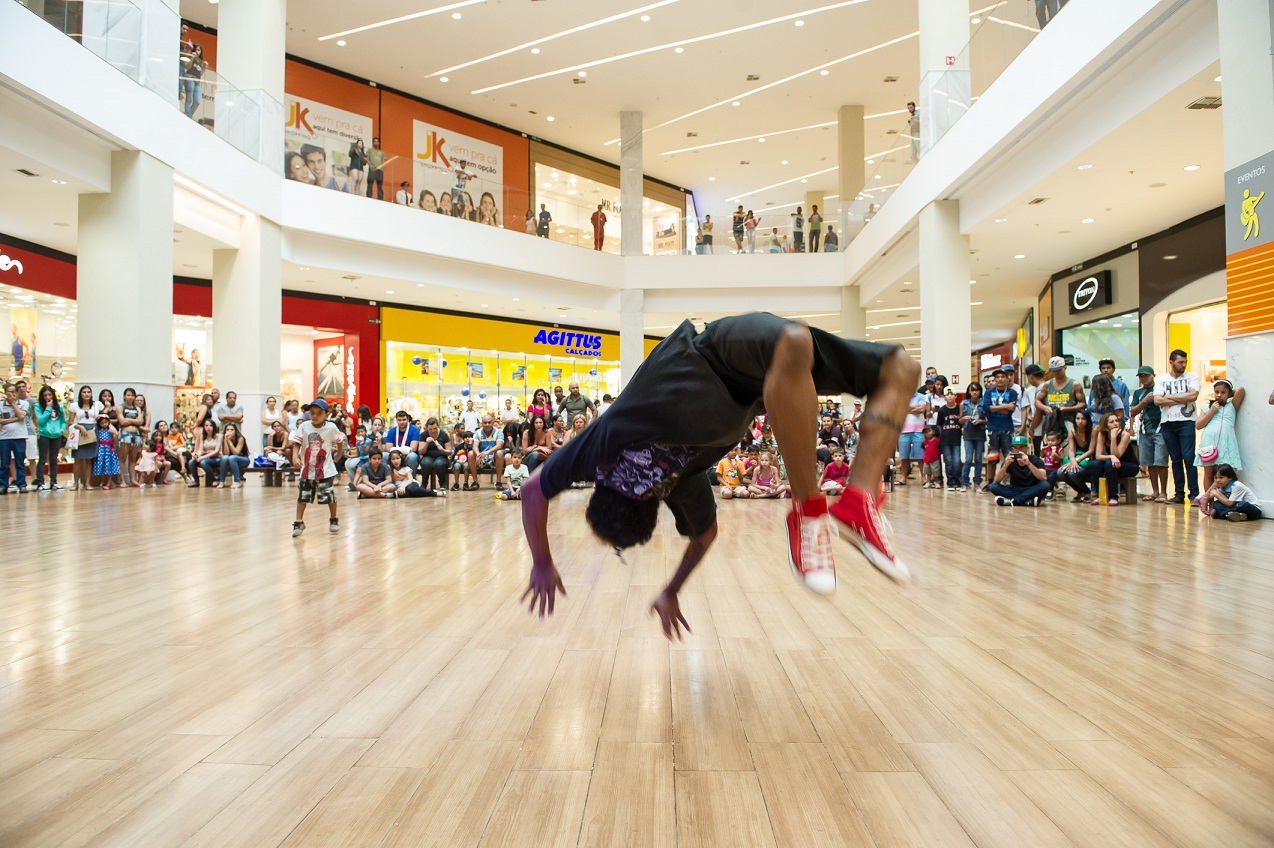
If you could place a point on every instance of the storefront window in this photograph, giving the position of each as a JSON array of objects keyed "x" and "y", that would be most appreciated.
[
  {"x": 41, "y": 338},
  {"x": 572, "y": 199},
  {"x": 1117, "y": 338},
  {"x": 1201, "y": 333},
  {"x": 433, "y": 381}
]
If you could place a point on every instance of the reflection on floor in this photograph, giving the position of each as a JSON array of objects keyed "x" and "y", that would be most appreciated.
[{"x": 176, "y": 669}]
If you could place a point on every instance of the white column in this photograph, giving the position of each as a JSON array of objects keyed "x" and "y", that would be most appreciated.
[
  {"x": 1247, "y": 87},
  {"x": 632, "y": 333},
  {"x": 247, "y": 318},
  {"x": 631, "y": 171},
  {"x": 946, "y": 317},
  {"x": 945, "y": 92},
  {"x": 851, "y": 174},
  {"x": 853, "y": 325},
  {"x": 250, "y": 59},
  {"x": 124, "y": 280}
]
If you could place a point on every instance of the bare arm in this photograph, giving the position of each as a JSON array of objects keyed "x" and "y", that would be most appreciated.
[
  {"x": 545, "y": 582},
  {"x": 666, "y": 606},
  {"x": 1239, "y": 394}
]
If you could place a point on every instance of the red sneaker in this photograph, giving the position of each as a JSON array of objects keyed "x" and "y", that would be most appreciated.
[
  {"x": 856, "y": 509},
  {"x": 809, "y": 545}
]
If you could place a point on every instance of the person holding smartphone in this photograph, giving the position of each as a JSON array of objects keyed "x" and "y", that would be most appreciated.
[{"x": 1021, "y": 479}]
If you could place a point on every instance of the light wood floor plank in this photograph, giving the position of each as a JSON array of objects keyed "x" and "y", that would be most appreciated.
[
  {"x": 360, "y": 810},
  {"x": 902, "y": 811},
  {"x": 564, "y": 734},
  {"x": 768, "y": 705},
  {"x": 1086, "y": 813},
  {"x": 631, "y": 800},
  {"x": 808, "y": 803},
  {"x": 639, "y": 702},
  {"x": 538, "y": 808},
  {"x": 706, "y": 726},
  {"x": 721, "y": 808}
]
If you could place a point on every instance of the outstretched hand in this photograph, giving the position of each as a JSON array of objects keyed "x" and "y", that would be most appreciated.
[
  {"x": 544, "y": 584},
  {"x": 670, "y": 617}
]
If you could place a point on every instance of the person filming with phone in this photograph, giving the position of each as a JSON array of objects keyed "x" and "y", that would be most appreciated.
[{"x": 1020, "y": 480}]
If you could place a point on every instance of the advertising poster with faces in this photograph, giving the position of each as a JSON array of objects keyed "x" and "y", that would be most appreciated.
[
  {"x": 317, "y": 145},
  {"x": 457, "y": 175}
]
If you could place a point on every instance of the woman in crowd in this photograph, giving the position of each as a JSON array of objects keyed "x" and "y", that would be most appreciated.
[
  {"x": 1218, "y": 441},
  {"x": 974, "y": 438},
  {"x": 364, "y": 416},
  {"x": 192, "y": 73},
  {"x": 1102, "y": 400},
  {"x": 234, "y": 457},
  {"x": 292, "y": 413},
  {"x": 749, "y": 227},
  {"x": 487, "y": 213},
  {"x": 269, "y": 415},
  {"x": 84, "y": 420},
  {"x": 276, "y": 445},
  {"x": 428, "y": 203},
  {"x": 1113, "y": 458},
  {"x": 577, "y": 426},
  {"x": 558, "y": 432},
  {"x": 357, "y": 168},
  {"x": 205, "y": 457},
  {"x": 530, "y": 223},
  {"x": 540, "y": 405},
  {"x": 106, "y": 464},
  {"x": 50, "y": 427},
  {"x": 435, "y": 455},
  {"x": 131, "y": 420},
  {"x": 537, "y": 443},
  {"x": 295, "y": 169},
  {"x": 1079, "y": 455}
]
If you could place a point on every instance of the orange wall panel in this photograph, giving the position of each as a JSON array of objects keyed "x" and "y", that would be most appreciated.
[{"x": 1250, "y": 290}]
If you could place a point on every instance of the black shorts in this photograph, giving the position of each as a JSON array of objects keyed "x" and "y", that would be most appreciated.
[
  {"x": 741, "y": 348},
  {"x": 320, "y": 490},
  {"x": 1000, "y": 441}
]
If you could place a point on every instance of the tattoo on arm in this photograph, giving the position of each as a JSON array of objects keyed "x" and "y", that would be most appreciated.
[{"x": 891, "y": 423}]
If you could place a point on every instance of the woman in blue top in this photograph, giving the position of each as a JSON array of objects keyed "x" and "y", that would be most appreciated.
[
  {"x": 51, "y": 427},
  {"x": 1103, "y": 400}
]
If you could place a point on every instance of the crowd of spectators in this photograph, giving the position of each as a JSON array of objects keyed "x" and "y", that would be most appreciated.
[{"x": 744, "y": 227}]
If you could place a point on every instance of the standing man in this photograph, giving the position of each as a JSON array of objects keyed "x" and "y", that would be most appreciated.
[
  {"x": 913, "y": 130},
  {"x": 403, "y": 197},
  {"x": 576, "y": 404},
  {"x": 545, "y": 219},
  {"x": 1151, "y": 449},
  {"x": 998, "y": 406},
  {"x": 13, "y": 440},
  {"x": 33, "y": 433},
  {"x": 911, "y": 439},
  {"x": 736, "y": 228},
  {"x": 599, "y": 227},
  {"x": 229, "y": 412},
  {"x": 489, "y": 455},
  {"x": 816, "y": 228},
  {"x": 798, "y": 231},
  {"x": 376, "y": 170},
  {"x": 1107, "y": 367},
  {"x": 471, "y": 418},
  {"x": 686, "y": 405},
  {"x": 1175, "y": 395},
  {"x": 1032, "y": 419},
  {"x": 1064, "y": 395}
]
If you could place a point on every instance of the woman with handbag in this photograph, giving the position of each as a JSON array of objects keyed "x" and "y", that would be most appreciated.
[
  {"x": 1219, "y": 443},
  {"x": 83, "y": 437}
]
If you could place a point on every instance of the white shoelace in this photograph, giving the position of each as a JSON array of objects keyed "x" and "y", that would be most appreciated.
[{"x": 816, "y": 543}]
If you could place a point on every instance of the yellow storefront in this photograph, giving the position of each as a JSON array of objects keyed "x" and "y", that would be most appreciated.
[{"x": 431, "y": 364}]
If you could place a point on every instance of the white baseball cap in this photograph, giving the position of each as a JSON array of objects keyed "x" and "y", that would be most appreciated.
[{"x": 1056, "y": 364}]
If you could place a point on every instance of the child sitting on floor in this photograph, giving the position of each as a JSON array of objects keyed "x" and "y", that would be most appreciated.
[
  {"x": 1051, "y": 453},
  {"x": 835, "y": 475},
  {"x": 515, "y": 475},
  {"x": 1228, "y": 498}
]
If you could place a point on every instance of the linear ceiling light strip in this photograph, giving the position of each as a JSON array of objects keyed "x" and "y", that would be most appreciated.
[
  {"x": 528, "y": 45},
  {"x": 402, "y": 19},
  {"x": 785, "y": 182},
  {"x": 669, "y": 46}
]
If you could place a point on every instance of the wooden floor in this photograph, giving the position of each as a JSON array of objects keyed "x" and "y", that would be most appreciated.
[{"x": 175, "y": 669}]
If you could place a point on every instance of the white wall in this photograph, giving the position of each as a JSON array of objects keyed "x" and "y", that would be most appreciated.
[{"x": 1250, "y": 363}]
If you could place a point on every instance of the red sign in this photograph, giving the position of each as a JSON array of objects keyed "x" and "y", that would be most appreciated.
[{"x": 950, "y": 61}]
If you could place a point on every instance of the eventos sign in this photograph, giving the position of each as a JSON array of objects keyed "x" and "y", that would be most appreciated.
[
  {"x": 1089, "y": 292},
  {"x": 574, "y": 344}
]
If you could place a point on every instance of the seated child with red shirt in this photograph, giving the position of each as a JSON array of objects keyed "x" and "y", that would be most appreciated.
[{"x": 835, "y": 474}]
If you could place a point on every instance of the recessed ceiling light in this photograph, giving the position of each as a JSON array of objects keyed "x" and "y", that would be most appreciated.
[
  {"x": 784, "y": 162},
  {"x": 1216, "y": 78},
  {"x": 906, "y": 282},
  {"x": 824, "y": 72},
  {"x": 59, "y": 182},
  {"x": 712, "y": 179},
  {"x": 390, "y": 291},
  {"x": 973, "y": 282},
  {"x": 1192, "y": 167},
  {"x": 1116, "y": 325},
  {"x": 761, "y": 140},
  {"x": 1170, "y": 257},
  {"x": 1020, "y": 256},
  {"x": 645, "y": 18},
  {"x": 561, "y": 315},
  {"x": 550, "y": 118},
  {"x": 1084, "y": 167},
  {"x": 1000, "y": 220},
  {"x": 804, "y": 181},
  {"x": 570, "y": 191},
  {"x": 582, "y": 74},
  {"x": 484, "y": 306},
  {"x": 516, "y": 299},
  {"x": 444, "y": 79},
  {"x": 340, "y": 43},
  {"x": 800, "y": 23},
  {"x": 455, "y": 16},
  {"x": 976, "y": 21},
  {"x": 535, "y": 51},
  {"x": 871, "y": 161},
  {"x": 735, "y": 103},
  {"x": 679, "y": 50},
  {"x": 1086, "y": 221},
  {"x": 546, "y": 185}
]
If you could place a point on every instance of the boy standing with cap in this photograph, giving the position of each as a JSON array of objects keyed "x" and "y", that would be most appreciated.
[
  {"x": 320, "y": 443},
  {"x": 1032, "y": 421},
  {"x": 1151, "y": 449}
]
